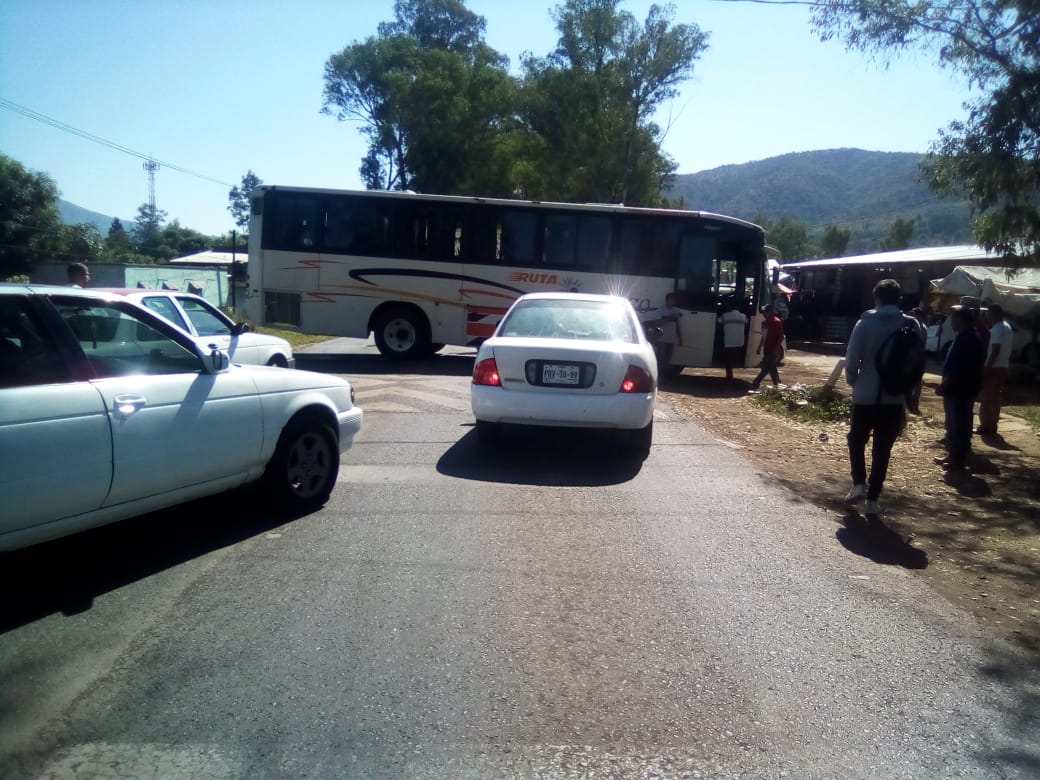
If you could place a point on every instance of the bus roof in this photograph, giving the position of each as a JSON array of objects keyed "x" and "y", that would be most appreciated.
[
  {"x": 615, "y": 208},
  {"x": 964, "y": 254}
]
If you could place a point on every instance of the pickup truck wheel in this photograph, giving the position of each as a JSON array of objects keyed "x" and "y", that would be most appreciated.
[{"x": 303, "y": 470}]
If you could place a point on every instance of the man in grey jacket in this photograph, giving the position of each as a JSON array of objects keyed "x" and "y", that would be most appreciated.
[{"x": 873, "y": 410}]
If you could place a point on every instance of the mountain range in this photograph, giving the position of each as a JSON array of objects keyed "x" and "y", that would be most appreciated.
[
  {"x": 71, "y": 214},
  {"x": 861, "y": 191}
]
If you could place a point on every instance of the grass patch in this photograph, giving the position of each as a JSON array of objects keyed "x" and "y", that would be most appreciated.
[
  {"x": 817, "y": 403},
  {"x": 295, "y": 338},
  {"x": 1032, "y": 415}
]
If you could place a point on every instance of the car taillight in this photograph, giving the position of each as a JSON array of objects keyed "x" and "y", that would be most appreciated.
[
  {"x": 637, "y": 380},
  {"x": 486, "y": 373}
]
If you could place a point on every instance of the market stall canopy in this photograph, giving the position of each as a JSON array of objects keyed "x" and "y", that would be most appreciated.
[{"x": 1018, "y": 292}]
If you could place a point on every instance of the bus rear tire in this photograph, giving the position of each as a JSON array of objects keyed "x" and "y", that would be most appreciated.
[{"x": 402, "y": 333}]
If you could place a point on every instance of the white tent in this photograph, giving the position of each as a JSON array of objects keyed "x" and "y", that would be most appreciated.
[{"x": 1018, "y": 292}]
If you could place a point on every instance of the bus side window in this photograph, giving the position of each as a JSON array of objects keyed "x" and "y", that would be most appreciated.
[
  {"x": 519, "y": 229},
  {"x": 593, "y": 243},
  {"x": 560, "y": 239},
  {"x": 296, "y": 221}
]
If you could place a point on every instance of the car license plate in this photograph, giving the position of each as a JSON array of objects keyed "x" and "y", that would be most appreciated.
[{"x": 556, "y": 374}]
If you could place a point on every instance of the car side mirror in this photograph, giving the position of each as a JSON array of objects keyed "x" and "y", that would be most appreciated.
[{"x": 216, "y": 360}]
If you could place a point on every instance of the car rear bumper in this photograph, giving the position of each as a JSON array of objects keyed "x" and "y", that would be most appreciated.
[{"x": 618, "y": 410}]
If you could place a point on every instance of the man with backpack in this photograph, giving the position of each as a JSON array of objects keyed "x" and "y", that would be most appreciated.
[{"x": 884, "y": 359}]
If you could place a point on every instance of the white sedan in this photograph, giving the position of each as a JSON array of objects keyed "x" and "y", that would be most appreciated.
[
  {"x": 570, "y": 360},
  {"x": 208, "y": 325},
  {"x": 108, "y": 411}
]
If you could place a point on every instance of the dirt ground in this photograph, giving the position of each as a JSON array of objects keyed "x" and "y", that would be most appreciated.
[{"x": 975, "y": 538}]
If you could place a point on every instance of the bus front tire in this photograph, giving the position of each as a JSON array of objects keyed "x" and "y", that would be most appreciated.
[{"x": 402, "y": 333}]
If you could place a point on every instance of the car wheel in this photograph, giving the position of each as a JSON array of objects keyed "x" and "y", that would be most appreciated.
[
  {"x": 402, "y": 333},
  {"x": 489, "y": 433},
  {"x": 640, "y": 439},
  {"x": 303, "y": 470},
  {"x": 278, "y": 361}
]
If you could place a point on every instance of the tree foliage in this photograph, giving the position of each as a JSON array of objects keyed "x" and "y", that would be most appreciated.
[
  {"x": 993, "y": 156},
  {"x": 238, "y": 199},
  {"x": 790, "y": 236},
  {"x": 29, "y": 221},
  {"x": 834, "y": 241},
  {"x": 900, "y": 234},
  {"x": 433, "y": 99},
  {"x": 590, "y": 103}
]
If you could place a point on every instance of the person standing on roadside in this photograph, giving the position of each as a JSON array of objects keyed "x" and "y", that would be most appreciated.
[
  {"x": 961, "y": 382},
  {"x": 664, "y": 345},
  {"x": 913, "y": 398},
  {"x": 770, "y": 347},
  {"x": 78, "y": 274},
  {"x": 874, "y": 412},
  {"x": 734, "y": 325},
  {"x": 998, "y": 360}
]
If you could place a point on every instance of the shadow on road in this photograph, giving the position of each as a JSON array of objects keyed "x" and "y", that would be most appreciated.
[
  {"x": 542, "y": 456},
  {"x": 870, "y": 538},
  {"x": 67, "y": 574},
  {"x": 436, "y": 365}
]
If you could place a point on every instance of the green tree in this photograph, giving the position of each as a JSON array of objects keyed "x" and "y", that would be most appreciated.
[
  {"x": 149, "y": 221},
  {"x": 992, "y": 157},
  {"x": 81, "y": 243},
  {"x": 591, "y": 102},
  {"x": 790, "y": 236},
  {"x": 433, "y": 100},
  {"x": 30, "y": 226},
  {"x": 238, "y": 199},
  {"x": 834, "y": 241},
  {"x": 900, "y": 232}
]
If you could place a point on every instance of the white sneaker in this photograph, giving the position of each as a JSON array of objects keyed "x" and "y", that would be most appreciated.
[
  {"x": 857, "y": 494},
  {"x": 872, "y": 509}
]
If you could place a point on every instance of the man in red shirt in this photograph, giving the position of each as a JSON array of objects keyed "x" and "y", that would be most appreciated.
[{"x": 770, "y": 347}]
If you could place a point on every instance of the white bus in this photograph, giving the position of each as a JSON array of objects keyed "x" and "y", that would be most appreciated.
[{"x": 422, "y": 271}]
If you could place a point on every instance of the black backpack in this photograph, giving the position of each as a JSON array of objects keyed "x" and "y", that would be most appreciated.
[{"x": 900, "y": 359}]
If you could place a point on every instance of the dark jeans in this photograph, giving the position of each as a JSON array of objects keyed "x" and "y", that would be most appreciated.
[
  {"x": 958, "y": 410},
  {"x": 734, "y": 357},
  {"x": 884, "y": 421},
  {"x": 913, "y": 399},
  {"x": 769, "y": 361}
]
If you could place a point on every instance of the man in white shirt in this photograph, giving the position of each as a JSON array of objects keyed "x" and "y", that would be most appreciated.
[
  {"x": 734, "y": 326},
  {"x": 998, "y": 358}
]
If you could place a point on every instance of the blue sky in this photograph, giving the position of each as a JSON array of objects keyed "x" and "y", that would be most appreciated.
[{"x": 219, "y": 87}]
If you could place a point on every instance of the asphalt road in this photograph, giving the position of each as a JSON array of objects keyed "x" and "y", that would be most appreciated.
[{"x": 542, "y": 610}]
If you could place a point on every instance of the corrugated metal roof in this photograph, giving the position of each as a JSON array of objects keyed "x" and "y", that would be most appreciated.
[
  {"x": 209, "y": 257},
  {"x": 966, "y": 254}
]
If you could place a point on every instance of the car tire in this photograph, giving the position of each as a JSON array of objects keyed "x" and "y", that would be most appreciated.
[
  {"x": 489, "y": 433},
  {"x": 402, "y": 333},
  {"x": 302, "y": 472},
  {"x": 640, "y": 441}
]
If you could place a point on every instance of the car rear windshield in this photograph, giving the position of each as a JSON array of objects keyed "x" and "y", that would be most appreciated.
[{"x": 586, "y": 320}]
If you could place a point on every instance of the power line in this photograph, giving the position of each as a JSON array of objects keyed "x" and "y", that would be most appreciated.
[{"x": 44, "y": 119}]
